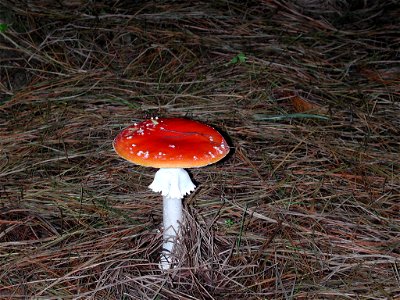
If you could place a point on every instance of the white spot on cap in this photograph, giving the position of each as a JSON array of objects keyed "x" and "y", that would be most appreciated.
[
  {"x": 195, "y": 157},
  {"x": 141, "y": 131},
  {"x": 211, "y": 138},
  {"x": 129, "y": 137},
  {"x": 145, "y": 154},
  {"x": 218, "y": 149},
  {"x": 171, "y": 146},
  {"x": 211, "y": 154},
  {"x": 133, "y": 145}
]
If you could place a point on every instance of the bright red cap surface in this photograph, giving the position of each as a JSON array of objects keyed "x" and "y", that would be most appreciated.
[{"x": 171, "y": 143}]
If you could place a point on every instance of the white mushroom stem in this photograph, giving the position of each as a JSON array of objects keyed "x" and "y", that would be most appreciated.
[
  {"x": 173, "y": 184},
  {"x": 172, "y": 212}
]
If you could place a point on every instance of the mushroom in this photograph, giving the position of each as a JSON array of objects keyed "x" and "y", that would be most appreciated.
[{"x": 171, "y": 144}]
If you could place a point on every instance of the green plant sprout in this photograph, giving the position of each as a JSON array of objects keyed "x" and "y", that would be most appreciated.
[
  {"x": 240, "y": 58},
  {"x": 229, "y": 223},
  {"x": 3, "y": 27}
]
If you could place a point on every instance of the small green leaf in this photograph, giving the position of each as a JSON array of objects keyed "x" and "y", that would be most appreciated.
[
  {"x": 240, "y": 58},
  {"x": 229, "y": 223},
  {"x": 3, "y": 27}
]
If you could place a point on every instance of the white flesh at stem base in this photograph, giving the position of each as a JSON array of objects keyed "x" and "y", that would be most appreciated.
[{"x": 173, "y": 184}]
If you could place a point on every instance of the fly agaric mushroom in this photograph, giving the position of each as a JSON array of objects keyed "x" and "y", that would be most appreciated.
[{"x": 171, "y": 144}]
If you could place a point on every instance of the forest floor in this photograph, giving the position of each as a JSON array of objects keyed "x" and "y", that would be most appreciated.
[{"x": 305, "y": 206}]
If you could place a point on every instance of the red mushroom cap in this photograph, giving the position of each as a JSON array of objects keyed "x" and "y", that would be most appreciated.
[{"x": 171, "y": 143}]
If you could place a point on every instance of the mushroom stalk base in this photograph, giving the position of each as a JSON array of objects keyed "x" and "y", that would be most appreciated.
[
  {"x": 172, "y": 213},
  {"x": 173, "y": 184}
]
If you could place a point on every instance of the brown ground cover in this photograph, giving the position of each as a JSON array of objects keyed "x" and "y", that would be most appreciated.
[{"x": 306, "y": 206}]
